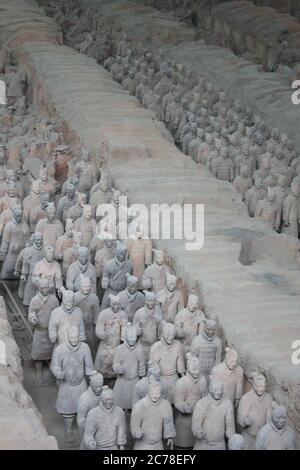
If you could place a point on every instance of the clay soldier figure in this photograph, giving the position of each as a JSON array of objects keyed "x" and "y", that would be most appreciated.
[
  {"x": 65, "y": 317},
  {"x": 86, "y": 172},
  {"x": 142, "y": 387},
  {"x": 31, "y": 258},
  {"x": 189, "y": 322},
  {"x": 88, "y": 303},
  {"x": 32, "y": 200},
  {"x": 213, "y": 419},
  {"x": 254, "y": 195},
  {"x": 9, "y": 199},
  {"x": 168, "y": 354},
  {"x": 48, "y": 184},
  {"x": 72, "y": 253},
  {"x": 236, "y": 442},
  {"x": 49, "y": 269},
  {"x": 223, "y": 167},
  {"x": 81, "y": 267},
  {"x": 188, "y": 391},
  {"x": 19, "y": 264},
  {"x": 102, "y": 256},
  {"x": 243, "y": 182},
  {"x": 105, "y": 427},
  {"x": 64, "y": 242},
  {"x": 147, "y": 323},
  {"x": 114, "y": 278},
  {"x": 50, "y": 227},
  {"x": 231, "y": 375},
  {"x": 101, "y": 196},
  {"x": 268, "y": 211},
  {"x": 38, "y": 212},
  {"x": 86, "y": 225},
  {"x": 76, "y": 211},
  {"x": 15, "y": 235},
  {"x": 110, "y": 329},
  {"x": 207, "y": 347},
  {"x": 129, "y": 365},
  {"x": 154, "y": 277},
  {"x": 39, "y": 312},
  {"x": 152, "y": 420},
  {"x": 281, "y": 191},
  {"x": 255, "y": 409},
  {"x": 139, "y": 252},
  {"x": 276, "y": 434},
  {"x": 65, "y": 203},
  {"x": 71, "y": 362},
  {"x": 291, "y": 211},
  {"x": 87, "y": 401},
  {"x": 131, "y": 299},
  {"x": 170, "y": 299}
]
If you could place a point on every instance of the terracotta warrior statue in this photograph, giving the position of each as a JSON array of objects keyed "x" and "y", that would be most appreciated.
[
  {"x": 223, "y": 167},
  {"x": 268, "y": 211},
  {"x": 87, "y": 401},
  {"x": 49, "y": 269},
  {"x": 129, "y": 365},
  {"x": 207, "y": 347},
  {"x": 188, "y": 391},
  {"x": 86, "y": 172},
  {"x": 114, "y": 278},
  {"x": 131, "y": 299},
  {"x": 39, "y": 312},
  {"x": 170, "y": 299},
  {"x": 65, "y": 203},
  {"x": 50, "y": 227},
  {"x": 168, "y": 354},
  {"x": 71, "y": 254},
  {"x": 110, "y": 329},
  {"x": 152, "y": 420},
  {"x": 65, "y": 317},
  {"x": 231, "y": 375},
  {"x": 276, "y": 434},
  {"x": 14, "y": 238},
  {"x": 38, "y": 212},
  {"x": 48, "y": 184},
  {"x": 64, "y": 242},
  {"x": 9, "y": 199},
  {"x": 81, "y": 266},
  {"x": 255, "y": 409},
  {"x": 76, "y": 211},
  {"x": 105, "y": 427},
  {"x": 291, "y": 211},
  {"x": 154, "y": 277},
  {"x": 86, "y": 225},
  {"x": 33, "y": 255},
  {"x": 213, "y": 419},
  {"x": 147, "y": 323},
  {"x": 102, "y": 256},
  {"x": 256, "y": 193},
  {"x": 142, "y": 387},
  {"x": 189, "y": 322},
  {"x": 88, "y": 303},
  {"x": 71, "y": 362},
  {"x": 19, "y": 264},
  {"x": 243, "y": 181},
  {"x": 32, "y": 200},
  {"x": 139, "y": 252}
]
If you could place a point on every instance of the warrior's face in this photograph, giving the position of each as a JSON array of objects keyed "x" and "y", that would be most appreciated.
[
  {"x": 154, "y": 391},
  {"x": 73, "y": 337},
  {"x": 193, "y": 368},
  {"x": 107, "y": 399},
  {"x": 97, "y": 384},
  {"x": 193, "y": 303},
  {"x": 131, "y": 337},
  {"x": 49, "y": 254},
  {"x": 209, "y": 330},
  {"x": 168, "y": 334},
  {"x": 159, "y": 258},
  {"x": 115, "y": 305},
  {"x": 259, "y": 385},
  {"x": 86, "y": 286},
  {"x": 132, "y": 287},
  {"x": 38, "y": 241},
  {"x": 68, "y": 301},
  {"x": 279, "y": 417},
  {"x": 44, "y": 175},
  {"x": 51, "y": 213},
  {"x": 216, "y": 390},
  {"x": 149, "y": 303},
  {"x": 44, "y": 290},
  {"x": 121, "y": 255}
]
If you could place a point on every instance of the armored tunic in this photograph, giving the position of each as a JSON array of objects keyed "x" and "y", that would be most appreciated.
[
  {"x": 271, "y": 438},
  {"x": 75, "y": 363},
  {"x": 61, "y": 321},
  {"x": 51, "y": 230},
  {"x": 171, "y": 303},
  {"x": 208, "y": 350},
  {"x": 87, "y": 228},
  {"x": 188, "y": 325},
  {"x": 188, "y": 391},
  {"x": 115, "y": 273},
  {"x": 154, "y": 277},
  {"x": 131, "y": 302},
  {"x": 50, "y": 271},
  {"x": 61, "y": 246},
  {"x": 147, "y": 328},
  {"x": 156, "y": 422},
  {"x": 232, "y": 380},
  {"x": 74, "y": 273},
  {"x": 40, "y": 308}
]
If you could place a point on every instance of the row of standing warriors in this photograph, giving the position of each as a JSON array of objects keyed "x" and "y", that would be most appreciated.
[
  {"x": 233, "y": 142},
  {"x": 105, "y": 310}
]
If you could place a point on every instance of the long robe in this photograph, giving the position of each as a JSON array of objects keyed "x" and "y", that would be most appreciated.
[
  {"x": 188, "y": 391},
  {"x": 90, "y": 308},
  {"x": 75, "y": 363},
  {"x": 156, "y": 422},
  {"x": 259, "y": 410},
  {"x": 106, "y": 427},
  {"x": 215, "y": 419},
  {"x": 40, "y": 308},
  {"x": 87, "y": 401},
  {"x": 110, "y": 329},
  {"x": 171, "y": 363},
  {"x": 13, "y": 241},
  {"x": 133, "y": 361}
]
